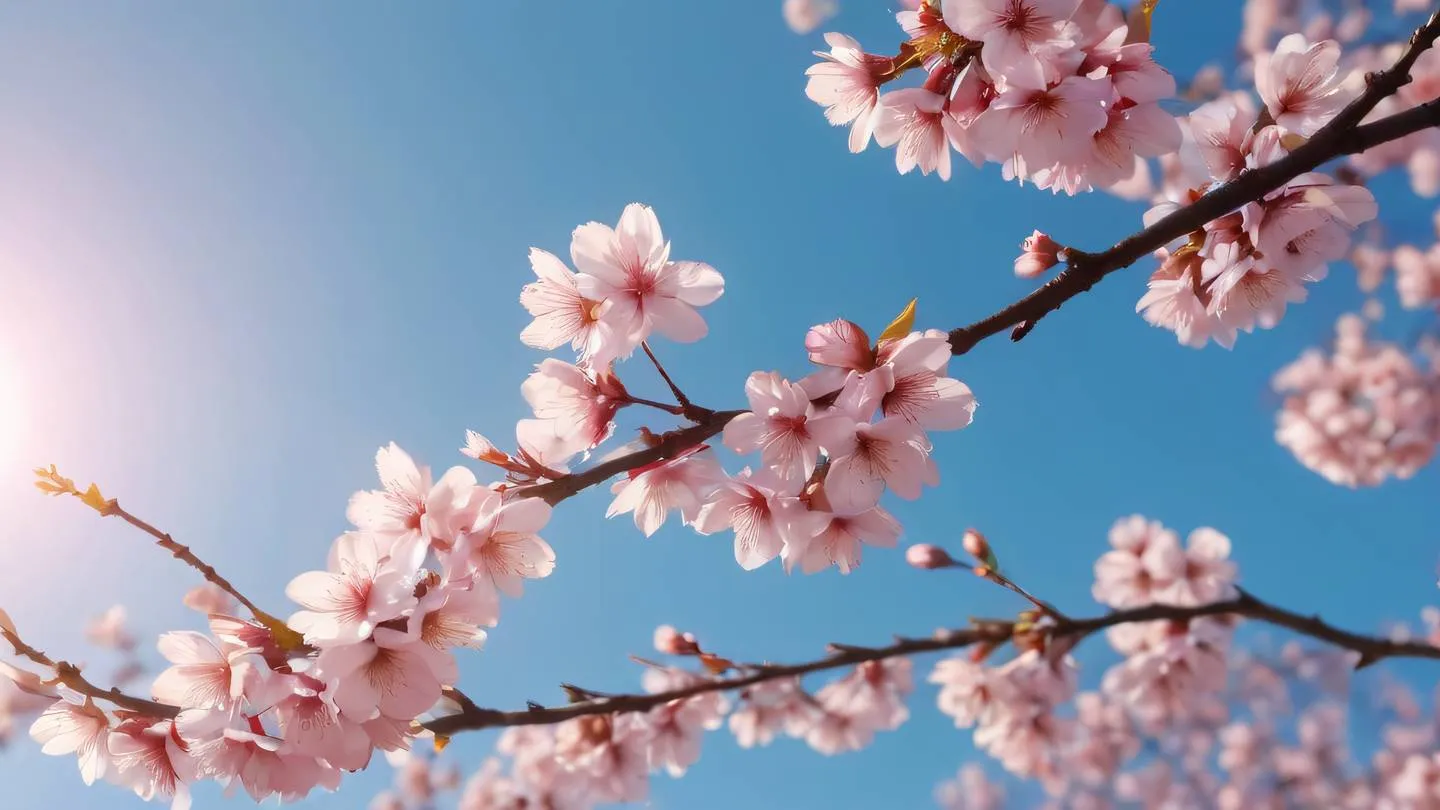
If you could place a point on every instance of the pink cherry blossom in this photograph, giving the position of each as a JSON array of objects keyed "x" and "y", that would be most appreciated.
[
  {"x": 804, "y": 16},
  {"x": 399, "y": 507},
  {"x": 1043, "y": 126},
  {"x": 1038, "y": 254},
  {"x": 847, "y": 85},
  {"x": 629, "y": 268},
  {"x": 777, "y": 425},
  {"x": 562, "y": 314},
  {"x": 312, "y": 725},
  {"x": 868, "y": 458},
  {"x": 609, "y": 753},
  {"x": 582, "y": 405},
  {"x": 73, "y": 725},
  {"x": 913, "y": 121},
  {"x": 840, "y": 344},
  {"x": 670, "y": 641},
  {"x": 386, "y": 676},
  {"x": 674, "y": 729},
  {"x": 504, "y": 546},
  {"x": 839, "y": 541},
  {"x": 361, "y": 589},
  {"x": 916, "y": 388},
  {"x": 1016, "y": 36},
  {"x": 201, "y": 675},
  {"x": 22, "y": 695},
  {"x": 682, "y": 483},
  {"x": 1301, "y": 85},
  {"x": 769, "y": 707},
  {"x": 762, "y": 514},
  {"x": 148, "y": 758}
]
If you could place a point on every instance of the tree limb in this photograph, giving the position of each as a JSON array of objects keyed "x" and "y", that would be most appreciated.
[
  {"x": 1369, "y": 648},
  {"x": 1344, "y": 135}
]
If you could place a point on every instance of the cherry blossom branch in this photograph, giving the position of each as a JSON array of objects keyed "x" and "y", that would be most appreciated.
[
  {"x": 52, "y": 482},
  {"x": 69, "y": 675},
  {"x": 1341, "y": 136},
  {"x": 669, "y": 445},
  {"x": 990, "y": 632}
]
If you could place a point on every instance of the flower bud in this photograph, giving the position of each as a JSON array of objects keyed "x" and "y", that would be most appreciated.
[
  {"x": 975, "y": 545},
  {"x": 670, "y": 641},
  {"x": 927, "y": 556},
  {"x": 1040, "y": 254}
]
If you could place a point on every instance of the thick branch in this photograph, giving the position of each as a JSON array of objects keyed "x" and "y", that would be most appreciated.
[
  {"x": 1369, "y": 648},
  {"x": 1341, "y": 136}
]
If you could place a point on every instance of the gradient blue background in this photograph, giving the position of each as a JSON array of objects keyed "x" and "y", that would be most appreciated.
[{"x": 240, "y": 248}]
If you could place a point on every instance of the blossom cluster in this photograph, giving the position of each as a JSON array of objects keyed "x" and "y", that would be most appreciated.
[
  {"x": 1417, "y": 271},
  {"x": 1064, "y": 94},
  {"x": 829, "y": 444},
  {"x": 1362, "y": 413},
  {"x": 1243, "y": 269},
  {"x": 1172, "y": 672},
  {"x": 418, "y": 577},
  {"x": 608, "y": 758}
]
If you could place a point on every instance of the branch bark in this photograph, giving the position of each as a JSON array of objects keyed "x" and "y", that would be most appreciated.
[
  {"x": 1344, "y": 135},
  {"x": 1369, "y": 648}
]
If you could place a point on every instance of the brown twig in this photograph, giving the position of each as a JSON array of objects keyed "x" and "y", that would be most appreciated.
[
  {"x": 69, "y": 675},
  {"x": 1369, "y": 648},
  {"x": 1344, "y": 135},
  {"x": 184, "y": 554},
  {"x": 688, "y": 409}
]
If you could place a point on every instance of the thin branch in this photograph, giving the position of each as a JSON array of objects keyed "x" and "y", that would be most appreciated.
[
  {"x": 1344, "y": 135},
  {"x": 184, "y": 554},
  {"x": 1369, "y": 648},
  {"x": 677, "y": 410},
  {"x": 689, "y": 409},
  {"x": 69, "y": 675},
  {"x": 670, "y": 445}
]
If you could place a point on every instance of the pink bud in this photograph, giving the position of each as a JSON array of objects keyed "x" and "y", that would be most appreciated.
[
  {"x": 974, "y": 544},
  {"x": 1040, "y": 254},
  {"x": 926, "y": 556},
  {"x": 670, "y": 641}
]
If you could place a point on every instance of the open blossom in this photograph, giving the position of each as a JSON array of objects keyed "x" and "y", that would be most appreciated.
[
  {"x": 1041, "y": 126},
  {"x": 1148, "y": 565},
  {"x": 148, "y": 758},
  {"x": 837, "y": 540},
  {"x": 1301, "y": 85},
  {"x": 562, "y": 314},
  {"x": 847, "y": 85},
  {"x": 970, "y": 790},
  {"x": 778, "y": 425},
  {"x": 201, "y": 674},
  {"x": 756, "y": 506},
  {"x": 682, "y": 483},
  {"x": 582, "y": 405},
  {"x": 1018, "y": 37},
  {"x": 504, "y": 547},
  {"x": 363, "y": 588},
  {"x": 913, "y": 121},
  {"x": 73, "y": 725},
  {"x": 867, "y": 458},
  {"x": 400, "y": 506},
  {"x": 385, "y": 676},
  {"x": 629, "y": 268}
]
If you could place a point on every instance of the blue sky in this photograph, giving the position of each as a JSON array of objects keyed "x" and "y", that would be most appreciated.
[{"x": 240, "y": 248}]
